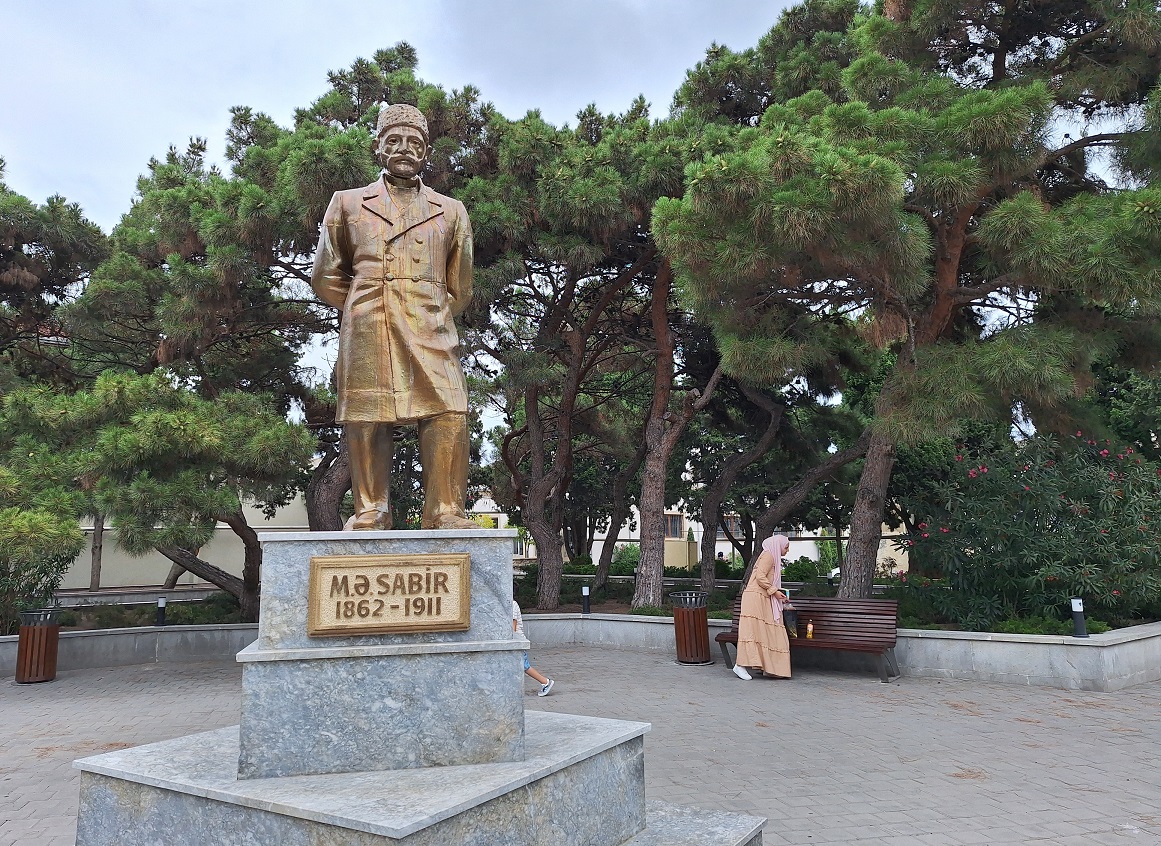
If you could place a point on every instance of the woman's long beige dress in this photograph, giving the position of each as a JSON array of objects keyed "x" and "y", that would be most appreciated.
[{"x": 762, "y": 642}]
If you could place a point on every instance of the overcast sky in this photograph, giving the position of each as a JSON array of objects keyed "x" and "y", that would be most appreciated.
[{"x": 93, "y": 89}]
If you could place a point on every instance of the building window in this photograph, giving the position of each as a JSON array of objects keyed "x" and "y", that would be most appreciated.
[
  {"x": 518, "y": 546},
  {"x": 734, "y": 522},
  {"x": 674, "y": 526}
]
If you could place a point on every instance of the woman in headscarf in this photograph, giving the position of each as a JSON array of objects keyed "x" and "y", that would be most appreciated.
[{"x": 762, "y": 641}]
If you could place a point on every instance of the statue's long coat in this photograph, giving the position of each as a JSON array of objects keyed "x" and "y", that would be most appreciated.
[{"x": 400, "y": 276}]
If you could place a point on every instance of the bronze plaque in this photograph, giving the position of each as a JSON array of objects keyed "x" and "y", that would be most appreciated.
[{"x": 376, "y": 594}]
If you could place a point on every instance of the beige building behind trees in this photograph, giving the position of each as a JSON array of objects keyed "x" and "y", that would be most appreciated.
[{"x": 118, "y": 570}]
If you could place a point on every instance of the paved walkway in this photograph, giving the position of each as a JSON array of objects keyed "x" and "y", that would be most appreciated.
[{"x": 829, "y": 757}]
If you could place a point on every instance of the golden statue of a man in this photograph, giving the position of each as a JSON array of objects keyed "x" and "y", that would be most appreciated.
[{"x": 396, "y": 258}]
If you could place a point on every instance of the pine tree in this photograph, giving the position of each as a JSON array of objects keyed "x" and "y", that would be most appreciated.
[
  {"x": 946, "y": 209},
  {"x": 46, "y": 254},
  {"x": 582, "y": 310},
  {"x": 162, "y": 463}
]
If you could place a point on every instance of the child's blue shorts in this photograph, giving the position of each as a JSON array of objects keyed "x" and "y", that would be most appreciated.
[{"x": 527, "y": 666}]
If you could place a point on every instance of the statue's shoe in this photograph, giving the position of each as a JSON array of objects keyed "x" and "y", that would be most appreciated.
[
  {"x": 375, "y": 520},
  {"x": 454, "y": 521}
]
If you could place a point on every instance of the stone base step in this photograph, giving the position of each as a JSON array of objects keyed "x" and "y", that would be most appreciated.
[
  {"x": 672, "y": 825},
  {"x": 581, "y": 784}
]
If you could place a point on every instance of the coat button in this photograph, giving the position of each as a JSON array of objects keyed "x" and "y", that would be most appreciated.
[
  {"x": 389, "y": 257},
  {"x": 388, "y": 276},
  {"x": 419, "y": 240}
]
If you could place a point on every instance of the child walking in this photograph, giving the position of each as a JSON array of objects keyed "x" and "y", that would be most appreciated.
[{"x": 544, "y": 681}]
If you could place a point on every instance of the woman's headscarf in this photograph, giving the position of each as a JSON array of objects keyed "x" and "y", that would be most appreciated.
[{"x": 777, "y": 546}]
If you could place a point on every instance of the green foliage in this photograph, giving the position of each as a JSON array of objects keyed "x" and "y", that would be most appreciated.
[
  {"x": 915, "y": 173},
  {"x": 38, "y": 548},
  {"x": 524, "y": 587},
  {"x": 46, "y": 251},
  {"x": 1047, "y": 626},
  {"x": 804, "y": 569},
  {"x": 1024, "y": 526},
  {"x": 217, "y": 608},
  {"x": 163, "y": 464},
  {"x": 653, "y": 611},
  {"x": 828, "y": 554},
  {"x": 1128, "y": 406},
  {"x": 123, "y": 616},
  {"x": 581, "y": 565},
  {"x": 626, "y": 558}
]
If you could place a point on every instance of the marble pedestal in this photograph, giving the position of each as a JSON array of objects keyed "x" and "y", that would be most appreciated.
[
  {"x": 416, "y": 739},
  {"x": 384, "y": 701}
]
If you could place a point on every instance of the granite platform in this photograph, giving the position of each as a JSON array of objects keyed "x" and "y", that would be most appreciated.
[
  {"x": 581, "y": 784},
  {"x": 572, "y": 766}
]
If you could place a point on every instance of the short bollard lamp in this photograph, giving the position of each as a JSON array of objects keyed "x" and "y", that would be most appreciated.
[
  {"x": 1078, "y": 627},
  {"x": 585, "y": 599},
  {"x": 160, "y": 611}
]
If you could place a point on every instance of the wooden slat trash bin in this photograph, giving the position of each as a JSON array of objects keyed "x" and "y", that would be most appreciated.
[
  {"x": 691, "y": 626},
  {"x": 36, "y": 646}
]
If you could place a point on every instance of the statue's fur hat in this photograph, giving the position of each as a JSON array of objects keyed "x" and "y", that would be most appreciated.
[{"x": 400, "y": 114}]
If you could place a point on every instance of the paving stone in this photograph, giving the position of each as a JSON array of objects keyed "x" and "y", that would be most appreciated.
[{"x": 829, "y": 757}]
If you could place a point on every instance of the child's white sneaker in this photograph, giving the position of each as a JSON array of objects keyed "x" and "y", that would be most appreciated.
[
  {"x": 741, "y": 673},
  {"x": 546, "y": 688}
]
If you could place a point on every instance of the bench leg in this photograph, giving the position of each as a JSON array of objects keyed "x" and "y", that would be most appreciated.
[
  {"x": 882, "y": 662},
  {"x": 892, "y": 662},
  {"x": 726, "y": 656}
]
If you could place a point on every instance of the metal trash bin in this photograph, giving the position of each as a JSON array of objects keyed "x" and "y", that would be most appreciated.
[
  {"x": 36, "y": 646},
  {"x": 691, "y": 626}
]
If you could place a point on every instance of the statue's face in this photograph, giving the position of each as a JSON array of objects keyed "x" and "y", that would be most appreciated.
[{"x": 402, "y": 151}]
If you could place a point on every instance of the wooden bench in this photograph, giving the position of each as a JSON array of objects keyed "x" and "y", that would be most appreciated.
[{"x": 853, "y": 625}]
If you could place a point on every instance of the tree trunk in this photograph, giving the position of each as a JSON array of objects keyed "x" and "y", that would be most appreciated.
[
  {"x": 549, "y": 563},
  {"x": 620, "y": 513},
  {"x": 324, "y": 494},
  {"x": 867, "y": 519},
  {"x": 176, "y": 571},
  {"x": 590, "y": 527},
  {"x": 715, "y": 493},
  {"x": 651, "y": 505},
  {"x": 542, "y": 504},
  {"x": 711, "y": 515},
  {"x": 246, "y": 589},
  {"x": 898, "y": 11},
  {"x": 793, "y": 496},
  {"x": 251, "y": 565},
  {"x": 578, "y": 534},
  {"x": 98, "y": 544},
  {"x": 541, "y": 490},
  {"x": 216, "y": 576},
  {"x": 662, "y": 431},
  {"x": 744, "y": 545}
]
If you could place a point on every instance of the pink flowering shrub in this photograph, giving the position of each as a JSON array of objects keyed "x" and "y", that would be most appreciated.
[{"x": 1023, "y": 526}]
